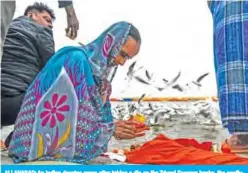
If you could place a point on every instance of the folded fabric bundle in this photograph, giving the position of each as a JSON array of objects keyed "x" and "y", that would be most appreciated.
[{"x": 163, "y": 150}]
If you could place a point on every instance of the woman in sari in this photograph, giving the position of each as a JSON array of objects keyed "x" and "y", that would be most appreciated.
[
  {"x": 230, "y": 20},
  {"x": 66, "y": 113}
]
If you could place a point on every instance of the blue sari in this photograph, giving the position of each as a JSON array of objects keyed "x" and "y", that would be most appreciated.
[
  {"x": 63, "y": 117},
  {"x": 231, "y": 62}
]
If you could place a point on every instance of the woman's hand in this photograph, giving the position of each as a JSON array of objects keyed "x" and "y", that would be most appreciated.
[{"x": 127, "y": 130}]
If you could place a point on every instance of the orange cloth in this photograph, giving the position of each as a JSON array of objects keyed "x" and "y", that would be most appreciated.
[
  {"x": 163, "y": 150},
  {"x": 192, "y": 142}
]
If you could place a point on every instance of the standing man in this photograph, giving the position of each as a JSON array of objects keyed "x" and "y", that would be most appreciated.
[
  {"x": 7, "y": 13},
  {"x": 230, "y": 20}
]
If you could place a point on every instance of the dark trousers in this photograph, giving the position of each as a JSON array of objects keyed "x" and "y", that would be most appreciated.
[
  {"x": 10, "y": 107},
  {"x": 7, "y": 13}
]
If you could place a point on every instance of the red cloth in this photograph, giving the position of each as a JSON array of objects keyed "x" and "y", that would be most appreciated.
[
  {"x": 163, "y": 150},
  {"x": 192, "y": 142}
]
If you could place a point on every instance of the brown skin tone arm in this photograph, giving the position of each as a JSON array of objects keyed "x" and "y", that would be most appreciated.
[
  {"x": 127, "y": 130},
  {"x": 208, "y": 3},
  {"x": 72, "y": 21}
]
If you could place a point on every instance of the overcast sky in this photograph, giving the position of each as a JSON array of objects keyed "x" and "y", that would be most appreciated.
[{"x": 176, "y": 36}]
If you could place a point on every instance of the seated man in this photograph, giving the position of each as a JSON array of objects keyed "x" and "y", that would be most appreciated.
[
  {"x": 8, "y": 10},
  {"x": 28, "y": 46}
]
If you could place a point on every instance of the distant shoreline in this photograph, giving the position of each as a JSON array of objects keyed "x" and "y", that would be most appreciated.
[{"x": 149, "y": 99}]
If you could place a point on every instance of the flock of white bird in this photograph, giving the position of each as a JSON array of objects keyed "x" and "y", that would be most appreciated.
[
  {"x": 148, "y": 79},
  {"x": 159, "y": 113},
  {"x": 204, "y": 112}
]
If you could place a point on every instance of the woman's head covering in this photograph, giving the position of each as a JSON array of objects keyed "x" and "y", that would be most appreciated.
[{"x": 107, "y": 46}]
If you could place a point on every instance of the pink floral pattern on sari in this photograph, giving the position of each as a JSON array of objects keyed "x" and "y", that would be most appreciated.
[{"x": 54, "y": 110}]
